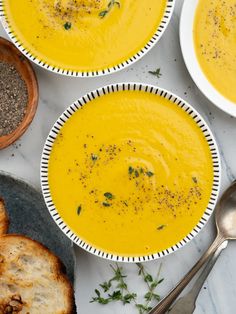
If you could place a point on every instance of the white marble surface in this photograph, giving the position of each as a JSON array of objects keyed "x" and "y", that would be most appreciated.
[{"x": 56, "y": 93}]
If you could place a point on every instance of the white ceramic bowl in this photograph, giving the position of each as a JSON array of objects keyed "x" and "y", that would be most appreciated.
[
  {"x": 190, "y": 58},
  {"x": 58, "y": 69},
  {"x": 99, "y": 93}
]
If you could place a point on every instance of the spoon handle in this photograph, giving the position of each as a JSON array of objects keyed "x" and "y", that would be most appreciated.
[
  {"x": 187, "y": 304},
  {"x": 165, "y": 304}
]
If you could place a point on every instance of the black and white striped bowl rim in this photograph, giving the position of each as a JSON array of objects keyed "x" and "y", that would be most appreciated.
[
  {"x": 57, "y": 69},
  {"x": 98, "y": 93}
]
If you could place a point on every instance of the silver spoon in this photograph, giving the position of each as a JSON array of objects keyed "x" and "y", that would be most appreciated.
[{"x": 225, "y": 217}]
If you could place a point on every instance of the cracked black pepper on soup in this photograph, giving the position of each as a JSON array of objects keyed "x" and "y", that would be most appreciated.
[{"x": 13, "y": 98}]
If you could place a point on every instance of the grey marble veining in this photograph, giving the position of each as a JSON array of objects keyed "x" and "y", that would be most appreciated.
[{"x": 57, "y": 92}]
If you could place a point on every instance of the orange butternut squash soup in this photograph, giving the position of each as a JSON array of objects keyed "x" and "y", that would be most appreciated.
[
  {"x": 84, "y": 35},
  {"x": 131, "y": 173},
  {"x": 215, "y": 44}
]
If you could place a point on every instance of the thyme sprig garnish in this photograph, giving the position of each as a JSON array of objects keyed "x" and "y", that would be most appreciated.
[
  {"x": 116, "y": 289},
  {"x": 110, "y": 5},
  {"x": 156, "y": 73},
  {"x": 121, "y": 292},
  {"x": 152, "y": 284}
]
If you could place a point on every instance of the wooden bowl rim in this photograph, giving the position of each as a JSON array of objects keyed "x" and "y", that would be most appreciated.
[{"x": 7, "y": 140}]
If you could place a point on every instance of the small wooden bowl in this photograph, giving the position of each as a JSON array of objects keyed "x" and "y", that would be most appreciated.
[{"x": 10, "y": 54}]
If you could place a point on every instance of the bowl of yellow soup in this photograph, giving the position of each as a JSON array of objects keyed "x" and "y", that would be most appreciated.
[
  {"x": 85, "y": 37},
  {"x": 130, "y": 172},
  {"x": 207, "y": 36}
]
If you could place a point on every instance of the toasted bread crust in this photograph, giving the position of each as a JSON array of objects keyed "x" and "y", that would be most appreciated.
[
  {"x": 32, "y": 270},
  {"x": 4, "y": 221}
]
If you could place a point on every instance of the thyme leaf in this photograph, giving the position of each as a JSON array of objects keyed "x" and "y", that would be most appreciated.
[
  {"x": 109, "y": 195},
  {"x": 67, "y": 26},
  {"x": 161, "y": 227},
  {"x": 149, "y": 174},
  {"x": 156, "y": 73},
  {"x": 105, "y": 204},
  {"x": 79, "y": 210},
  {"x": 102, "y": 14},
  {"x": 136, "y": 173},
  {"x": 94, "y": 157},
  {"x": 105, "y": 286},
  {"x": 110, "y": 5},
  {"x": 131, "y": 170}
]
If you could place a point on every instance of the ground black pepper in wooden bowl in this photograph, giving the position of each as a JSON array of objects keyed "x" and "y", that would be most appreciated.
[
  {"x": 13, "y": 98},
  {"x": 18, "y": 93}
]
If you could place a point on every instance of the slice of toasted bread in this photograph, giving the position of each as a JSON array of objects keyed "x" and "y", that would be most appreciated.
[
  {"x": 32, "y": 279},
  {"x": 4, "y": 222}
]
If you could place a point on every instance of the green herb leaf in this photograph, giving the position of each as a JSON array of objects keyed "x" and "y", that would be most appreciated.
[
  {"x": 110, "y": 5},
  {"x": 143, "y": 308},
  {"x": 105, "y": 286},
  {"x": 141, "y": 269},
  {"x": 156, "y": 73},
  {"x": 122, "y": 285},
  {"x": 131, "y": 170},
  {"x": 102, "y": 14},
  {"x": 116, "y": 295},
  {"x": 106, "y": 204},
  {"x": 67, "y": 26},
  {"x": 148, "y": 278},
  {"x": 161, "y": 227},
  {"x": 156, "y": 297},
  {"x": 109, "y": 195},
  {"x": 129, "y": 297},
  {"x": 148, "y": 296},
  {"x": 141, "y": 170},
  {"x": 136, "y": 173},
  {"x": 100, "y": 300},
  {"x": 149, "y": 174},
  {"x": 79, "y": 210},
  {"x": 154, "y": 284},
  {"x": 117, "y": 3},
  {"x": 160, "y": 281},
  {"x": 94, "y": 157}
]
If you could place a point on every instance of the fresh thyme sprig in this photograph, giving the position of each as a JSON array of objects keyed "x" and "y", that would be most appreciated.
[
  {"x": 156, "y": 73},
  {"x": 110, "y": 5},
  {"x": 122, "y": 294},
  {"x": 116, "y": 289},
  {"x": 152, "y": 284}
]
